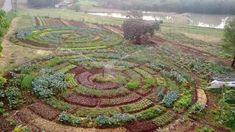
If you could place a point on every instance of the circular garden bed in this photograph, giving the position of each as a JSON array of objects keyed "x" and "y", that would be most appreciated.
[
  {"x": 68, "y": 37},
  {"x": 97, "y": 90}
]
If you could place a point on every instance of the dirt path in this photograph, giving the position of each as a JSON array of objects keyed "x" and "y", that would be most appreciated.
[
  {"x": 30, "y": 119},
  {"x": 13, "y": 55}
]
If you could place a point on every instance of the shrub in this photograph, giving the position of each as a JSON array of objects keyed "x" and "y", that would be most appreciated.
[
  {"x": 26, "y": 83},
  {"x": 48, "y": 83},
  {"x": 133, "y": 85},
  {"x": 14, "y": 97},
  {"x": 230, "y": 96},
  {"x": 170, "y": 98}
]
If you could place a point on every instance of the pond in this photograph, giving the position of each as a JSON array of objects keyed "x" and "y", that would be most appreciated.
[{"x": 200, "y": 20}]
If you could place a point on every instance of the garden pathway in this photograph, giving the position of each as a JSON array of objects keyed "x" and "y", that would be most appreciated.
[{"x": 13, "y": 55}]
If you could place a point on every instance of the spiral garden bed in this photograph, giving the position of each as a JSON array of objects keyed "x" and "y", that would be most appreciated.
[
  {"x": 104, "y": 85},
  {"x": 104, "y": 92},
  {"x": 66, "y": 35}
]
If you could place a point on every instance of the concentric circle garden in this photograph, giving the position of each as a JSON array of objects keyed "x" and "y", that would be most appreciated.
[
  {"x": 103, "y": 90},
  {"x": 68, "y": 37}
]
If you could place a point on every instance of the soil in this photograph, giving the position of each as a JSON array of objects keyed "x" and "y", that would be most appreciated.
[{"x": 44, "y": 111}]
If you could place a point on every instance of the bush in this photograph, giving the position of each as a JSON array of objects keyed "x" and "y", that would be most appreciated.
[
  {"x": 14, "y": 97},
  {"x": 230, "y": 96},
  {"x": 133, "y": 85},
  {"x": 26, "y": 83},
  {"x": 170, "y": 98},
  {"x": 48, "y": 83}
]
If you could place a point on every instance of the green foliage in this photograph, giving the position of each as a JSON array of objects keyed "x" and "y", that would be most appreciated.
[
  {"x": 150, "y": 113},
  {"x": 133, "y": 84},
  {"x": 48, "y": 83},
  {"x": 148, "y": 83},
  {"x": 206, "y": 129},
  {"x": 114, "y": 121},
  {"x": 184, "y": 102},
  {"x": 95, "y": 112},
  {"x": 26, "y": 83},
  {"x": 70, "y": 80},
  {"x": 229, "y": 38},
  {"x": 2, "y": 81},
  {"x": 58, "y": 104},
  {"x": 68, "y": 119},
  {"x": 143, "y": 104},
  {"x": 2, "y": 110},
  {"x": 196, "y": 109},
  {"x": 230, "y": 96},
  {"x": 170, "y": 98},
  {"x": 4, "y": 24},
  {"x": 14, "y": 97},
  {"x": 164, "y": 119}
]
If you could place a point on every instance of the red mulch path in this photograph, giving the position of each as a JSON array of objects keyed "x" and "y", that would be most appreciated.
[
  {"x": 120, "y": 100},
  {"x": 5, "y": 126},
  {"x": 24, "y": 117},
  {"x": 146, "y": 126},
  {"x": 83, "y": 79},
  {"x": 44, "y": 111},
  {"x": 81, "y": 100}
]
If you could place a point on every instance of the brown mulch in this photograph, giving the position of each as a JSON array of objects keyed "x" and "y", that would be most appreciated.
[
  {"x": 5, "y": 126},
  {"x": 44, "y": 111},
  {"x": 145, "y": 126},
  {"x": 120, "y": 100},
  {"x": 81, "y": 100}
]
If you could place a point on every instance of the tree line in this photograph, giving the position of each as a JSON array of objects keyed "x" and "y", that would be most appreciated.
[{"x": 180, "y": 6}]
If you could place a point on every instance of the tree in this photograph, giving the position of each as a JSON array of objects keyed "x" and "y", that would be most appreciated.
[
  {"x": 134, "y": 29},
  {"x": 229, "y": 40}
]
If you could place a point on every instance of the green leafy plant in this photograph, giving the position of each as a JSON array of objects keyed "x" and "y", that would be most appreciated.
[
  {"x": 14, "y": 97},
  {"x": 26, "y": 83},
  {"x": 170, "y": 98},
  {"x": 48, "y": 83},
  {"x": 133, "y": 85}
]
